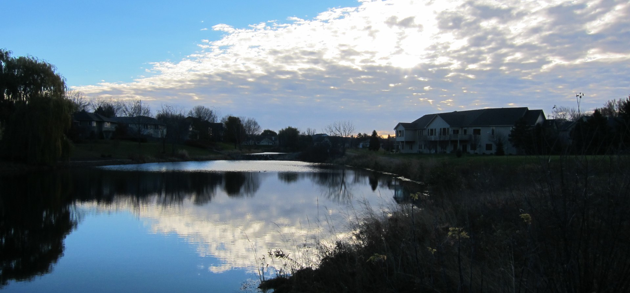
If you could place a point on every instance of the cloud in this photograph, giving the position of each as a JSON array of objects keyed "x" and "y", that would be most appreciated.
[{"x": 340, "y": 64}]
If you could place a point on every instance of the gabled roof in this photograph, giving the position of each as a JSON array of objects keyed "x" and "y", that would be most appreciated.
[
  {"x": 479, "y": 118},
  {"x": 424, "y": 121},
  {"x": 532, "y": 116},
  {"x": 405, "y": 125}
]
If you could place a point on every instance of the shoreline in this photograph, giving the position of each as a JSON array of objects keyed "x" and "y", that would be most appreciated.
[{"x": 12, "y": 168}]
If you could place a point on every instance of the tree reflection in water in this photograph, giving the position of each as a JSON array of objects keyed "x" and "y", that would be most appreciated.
[
  {"x": 289, "y": 177},
  {"x": 35, "y": 217},
  {"x": 36, "y": 210},
  {"x": 166, "y": 188}
]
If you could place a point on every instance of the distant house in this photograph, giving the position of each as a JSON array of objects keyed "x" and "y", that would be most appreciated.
[
  {"x": 93, "y": 125},
  {"x": 475, "y": 131},
  {"x": 322, "y": 139},
  {"x": 267, "y": 141},
  {"x": 364, "y": 144},
  {"x": 145, "y": 126},
  {"x": 204, "y": 130}
]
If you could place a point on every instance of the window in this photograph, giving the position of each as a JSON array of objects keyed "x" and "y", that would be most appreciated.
[
  {"x": 465, "y": 131},
  {"x": 477, "y": 131},
  {"x": 399, "y": 133},
  {"x": 431, "y": 131},
  {"x": 93, "y": 123},
  {"x": 488, "y": 147},
  {"x": 107, "y": 124},
  {"x": 455, "y": 131},
  {"x": 492, "y": 130},
  {"x": 443, "y": 131}
]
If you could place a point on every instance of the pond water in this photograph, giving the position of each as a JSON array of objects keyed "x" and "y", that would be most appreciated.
[{"x": 177, "y": 227}]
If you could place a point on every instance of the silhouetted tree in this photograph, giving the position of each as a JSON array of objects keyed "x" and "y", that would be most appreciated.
[
  {"x": 251, "y": 127},
  {"x": 79, "y": 101},
  {"x": 234, "y": 130},
  {"x": 107, "y": 107},
  {"x": 268, "y": 132},
  {"x": 592, "y": 135},
  {"x": 343, "y": 129},
  {"x": 375, "y": 143},
  {"x": 34, "y": 111},
  {"x": 203, "y": 113},
  {"x": 289, "y": 138}
]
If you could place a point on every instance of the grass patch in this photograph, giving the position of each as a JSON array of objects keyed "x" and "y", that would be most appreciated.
[{"x": 114, "y": 149}]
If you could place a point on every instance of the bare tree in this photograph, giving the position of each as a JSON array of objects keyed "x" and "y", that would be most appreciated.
[
  {"x": 566, "y": 113},
  {"x": 78, "y": 99},
  {"x": 106, "y": 107},
  {"x": 251, "y": 126},
  {"x": 203, "y": 113},
  {"x": 340, "y": 128},
  {"x": 310, "y": 131},
  {"x": 343, "y": 129},
  {"x": 611, "y": 108},
  {"x": 134, "y": 108}
]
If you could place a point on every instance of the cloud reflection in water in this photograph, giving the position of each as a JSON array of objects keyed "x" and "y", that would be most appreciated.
[{"x": 239, "y": 216}]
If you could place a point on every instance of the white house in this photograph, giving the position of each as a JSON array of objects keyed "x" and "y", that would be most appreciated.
[{"x": 475, "y": 131}]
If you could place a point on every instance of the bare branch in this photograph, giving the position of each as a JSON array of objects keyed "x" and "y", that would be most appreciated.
[{"x": 340, "y": 128}]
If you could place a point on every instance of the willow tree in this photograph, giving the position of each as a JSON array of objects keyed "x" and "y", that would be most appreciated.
[{"x": 35, "y": 113}]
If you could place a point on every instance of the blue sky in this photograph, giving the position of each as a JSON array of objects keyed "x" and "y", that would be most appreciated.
[{"x": 311, "y": 63}]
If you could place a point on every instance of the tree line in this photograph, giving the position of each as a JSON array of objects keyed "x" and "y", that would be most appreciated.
[{"x": 604, "y": 131}]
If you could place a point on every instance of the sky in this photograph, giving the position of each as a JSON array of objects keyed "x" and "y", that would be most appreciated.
[{"x": 308, "y": 64}]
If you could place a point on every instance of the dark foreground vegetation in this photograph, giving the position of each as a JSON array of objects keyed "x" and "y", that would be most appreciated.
[{"x": 552, "y": 224}]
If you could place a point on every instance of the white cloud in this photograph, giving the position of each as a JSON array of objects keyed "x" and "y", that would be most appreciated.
[{"x": 347, "y": 58}]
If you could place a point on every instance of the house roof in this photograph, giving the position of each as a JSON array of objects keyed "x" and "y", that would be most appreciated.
[
  {"x": 86, "y": 116},
  {"x": 423, "y": 121},
  {"x": 532, "y": 116},
  {"x": 480, "y": 117},
  {"x": 137, "y": 120}
]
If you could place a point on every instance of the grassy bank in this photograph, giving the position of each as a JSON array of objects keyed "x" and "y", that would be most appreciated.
[
  {"x": 147, "y": 151},
  {"x": 110, "y": 152},
  {"x": 487, "y": 224}
]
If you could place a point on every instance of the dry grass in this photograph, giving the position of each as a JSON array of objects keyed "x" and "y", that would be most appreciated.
[{"x": 559, "y": 225}]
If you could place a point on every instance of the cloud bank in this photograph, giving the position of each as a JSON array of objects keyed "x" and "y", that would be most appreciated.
[{"x": 389, "y": 61}]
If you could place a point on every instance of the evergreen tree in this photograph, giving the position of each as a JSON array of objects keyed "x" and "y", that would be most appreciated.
[
  {"x": 521, "y": 136},
  {"x": 375, "y": 143}
]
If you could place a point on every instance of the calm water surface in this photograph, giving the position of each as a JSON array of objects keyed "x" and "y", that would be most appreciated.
[{"x": 176, "y": 227}]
